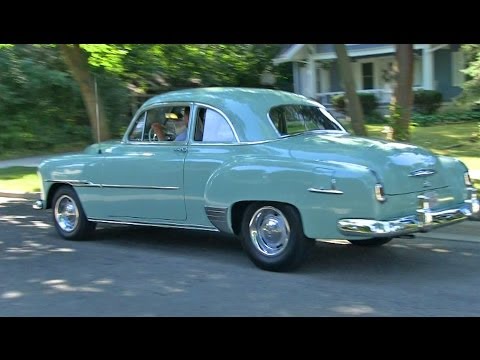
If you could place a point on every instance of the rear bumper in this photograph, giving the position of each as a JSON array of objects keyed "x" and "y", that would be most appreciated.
[{"x": 424, "y": 220}]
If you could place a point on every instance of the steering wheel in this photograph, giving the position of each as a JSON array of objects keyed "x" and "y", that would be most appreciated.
[{"x": 152, "y": 136}]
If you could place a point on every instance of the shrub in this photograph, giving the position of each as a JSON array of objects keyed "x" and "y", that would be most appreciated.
[
  {"x": 427, "y": 102},
  {"x": 369, "y": 103},
  {"x": 339, "y": 103}
]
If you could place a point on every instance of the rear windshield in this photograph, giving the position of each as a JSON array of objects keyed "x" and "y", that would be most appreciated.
[{"x": 295, "y": 119}]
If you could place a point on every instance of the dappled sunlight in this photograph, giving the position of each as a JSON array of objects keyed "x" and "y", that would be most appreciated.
[
  {"x": 62, "y": 250},
  {"x": 441, "y": 250},
  {"x": 11, "y": 295},
  {"x": 401, "y": 246},
  {"x": 24, "y": 221},
  {"x": 32, "y": 248},
  {"x": 58, "y": 285},
  {"x": 41, "y": 224},
  {"x": 335, "y": 241},
  {"x": 103, "y": 281},
  {"x": 353, "y": 310}
]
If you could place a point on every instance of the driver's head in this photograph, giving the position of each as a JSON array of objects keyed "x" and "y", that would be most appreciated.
[{"x": 186, "y": 115}]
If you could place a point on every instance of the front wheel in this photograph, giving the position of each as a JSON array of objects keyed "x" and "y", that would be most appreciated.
[
  {"x": 68, "y": 215},
  {"x": 371, "y": 242},
  {"x": 272, "y": 236}
]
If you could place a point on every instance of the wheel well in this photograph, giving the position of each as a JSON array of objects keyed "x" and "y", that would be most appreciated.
[
  {"x": 52, "y": 191},
  {"x": 238, "y": 209}
]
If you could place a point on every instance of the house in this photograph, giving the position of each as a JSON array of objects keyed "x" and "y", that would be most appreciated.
[{"x": 316, "y": 75}]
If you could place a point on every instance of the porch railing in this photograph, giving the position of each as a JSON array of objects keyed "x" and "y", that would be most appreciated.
[{"x": 383, "y": 95}]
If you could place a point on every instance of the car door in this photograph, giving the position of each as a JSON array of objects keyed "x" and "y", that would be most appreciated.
[{"x": 143, "y": 177}]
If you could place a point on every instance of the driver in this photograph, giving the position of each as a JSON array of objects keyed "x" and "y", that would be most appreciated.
[{"x": 158, "y": 129}]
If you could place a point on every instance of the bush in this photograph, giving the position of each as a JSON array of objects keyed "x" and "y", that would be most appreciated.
[
  {"x": 427, "y": 102},
  {"x": 369, "y": 103},
  {"x": 339, "y": 103},
  {"x": 446, "y": 117}
]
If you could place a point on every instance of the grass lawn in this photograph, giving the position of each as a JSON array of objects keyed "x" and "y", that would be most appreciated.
[
  {"x": 19, "y": 179},
  {"x": 450, "y": 140}
]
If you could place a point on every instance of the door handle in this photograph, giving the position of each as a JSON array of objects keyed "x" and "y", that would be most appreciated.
[{"x": 181, "y": 149}]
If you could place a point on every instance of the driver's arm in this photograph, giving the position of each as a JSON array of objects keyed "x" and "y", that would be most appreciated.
[{"x": 158, "y": 130}]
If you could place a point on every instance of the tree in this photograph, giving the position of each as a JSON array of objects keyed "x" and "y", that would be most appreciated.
[
  {"x": 77, "y": 62},
  {"x": 353, "y": 102},
  {"x": 402, "y": 99}
]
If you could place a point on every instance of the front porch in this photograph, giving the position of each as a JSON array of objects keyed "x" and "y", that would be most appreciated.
[{"x": 318, "y": 77}]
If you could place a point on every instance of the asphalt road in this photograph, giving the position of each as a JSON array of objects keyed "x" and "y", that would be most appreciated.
[{"x": 139, "y": 271}]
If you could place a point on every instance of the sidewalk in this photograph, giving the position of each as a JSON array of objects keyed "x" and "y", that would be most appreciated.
[{"x": 30, "y": 161}]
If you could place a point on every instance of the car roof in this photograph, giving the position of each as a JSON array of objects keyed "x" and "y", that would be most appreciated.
[{"x": 246, "y": 108}]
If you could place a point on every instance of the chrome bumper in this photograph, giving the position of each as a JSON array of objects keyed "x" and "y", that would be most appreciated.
[
  {"x": 38, "y": 205},
  {"x": 424, "y": 220}
]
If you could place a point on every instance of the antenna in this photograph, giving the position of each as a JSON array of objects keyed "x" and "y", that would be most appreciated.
[{"x": 96, "y": 114}]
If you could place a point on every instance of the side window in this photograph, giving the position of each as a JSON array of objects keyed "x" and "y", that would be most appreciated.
[
  {"x": 215, "y": 127},
  {"x": 137, "y": 133},
  {"x": 162, "y": 123}
]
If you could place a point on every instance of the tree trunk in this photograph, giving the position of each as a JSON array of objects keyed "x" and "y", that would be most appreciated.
[
  {"x": 402, "y": 101},
  {"x": 353, "y": 102},
  {"x": 78, "y": 64}
]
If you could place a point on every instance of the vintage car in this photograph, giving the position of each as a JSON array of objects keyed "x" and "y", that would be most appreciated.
[{"x": 271, "y": 167}]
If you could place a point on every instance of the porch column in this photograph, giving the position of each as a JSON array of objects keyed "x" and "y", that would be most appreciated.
[
  {"x": 313, "y": 78},
  {"x": 427, "y": 69},
  {"x": 296, "y": 78}
]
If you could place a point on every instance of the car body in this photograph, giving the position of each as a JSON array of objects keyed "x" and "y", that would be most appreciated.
[{"x": 272, "y": 167}]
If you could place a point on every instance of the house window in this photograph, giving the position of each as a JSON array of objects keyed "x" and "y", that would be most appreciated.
[
  {"x": 367, "y": 75},
  {"x": 458, "y": 63}
]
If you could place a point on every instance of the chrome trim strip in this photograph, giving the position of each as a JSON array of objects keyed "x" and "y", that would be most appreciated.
[
  {"x": 422, "y": 172},
  {"x": 164, "y": 225},
  {"x": 78, "y": 183},
  {"x": 140, "y": 187},
  {"x": 325, "y": 191},
  {"x": 84, "y": 183}
]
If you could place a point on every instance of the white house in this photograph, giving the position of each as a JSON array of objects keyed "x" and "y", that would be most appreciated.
[{"x": 315, "y": 72}]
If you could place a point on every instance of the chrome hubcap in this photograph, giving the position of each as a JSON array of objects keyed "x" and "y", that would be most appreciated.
[
  {"x": 269, "y": 230},
  {"x": 66, "y": 213}
]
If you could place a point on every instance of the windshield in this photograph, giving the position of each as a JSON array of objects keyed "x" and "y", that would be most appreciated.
[{"x": 296, "y": 119}]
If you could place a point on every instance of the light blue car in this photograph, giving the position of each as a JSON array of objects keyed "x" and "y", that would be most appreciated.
[{"x": 272, "y": 167}]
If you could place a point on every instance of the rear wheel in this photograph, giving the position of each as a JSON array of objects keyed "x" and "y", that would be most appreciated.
[
  {"x": 371, "y": 242},
  {"x": 68, "y": 215},
  {"x": 272, "y": 236}
]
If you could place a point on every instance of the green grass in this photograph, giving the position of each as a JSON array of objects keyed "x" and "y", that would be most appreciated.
[
  {"x": 19, "y": 179},
  {"x": 450, "y": 140}
]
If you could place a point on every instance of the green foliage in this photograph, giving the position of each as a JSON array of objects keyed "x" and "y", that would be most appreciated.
[
  {"x": 369, "y": 103},
  {"x": 40, "y": 105},
  {"x": 339, "y": 103},
  {"x": 445, "y": 117},
  {"x": 427, "y": 102}
]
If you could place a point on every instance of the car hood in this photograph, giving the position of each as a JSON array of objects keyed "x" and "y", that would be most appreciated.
[{"x": 400, "y": 166}]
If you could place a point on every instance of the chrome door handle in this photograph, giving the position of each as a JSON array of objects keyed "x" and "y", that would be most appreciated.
[{"x": 182, "y": 149}]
